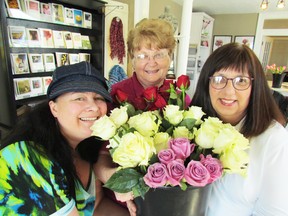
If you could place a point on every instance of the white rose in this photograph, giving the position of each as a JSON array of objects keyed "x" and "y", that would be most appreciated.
[
  {"x": 103, "y": 128},
  {"x": 119, "y": 116},
  {"x": 173, "y": 114}
]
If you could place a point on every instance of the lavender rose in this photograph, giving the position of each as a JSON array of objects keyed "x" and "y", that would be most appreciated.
[
  {"x": 181, "y": 147},
  {"x": 196, "y": 174},
  {"x": 156, "y": 175},
  {"x": 175, "y": 171},
  {"x": 165, "y": 156},
  {"x": 213, "y": 166}
]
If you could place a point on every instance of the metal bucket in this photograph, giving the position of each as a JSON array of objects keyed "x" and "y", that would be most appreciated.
[{"x": 172, "y": 201}]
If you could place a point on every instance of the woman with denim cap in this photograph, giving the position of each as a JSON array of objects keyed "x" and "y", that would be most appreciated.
[
  {"x": 233, "y": 87},
  {"x": 43, "y": 163}
]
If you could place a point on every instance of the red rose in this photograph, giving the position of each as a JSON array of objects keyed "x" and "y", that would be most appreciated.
[
  {"x": 183, "y": 82},
  {"x": 160, "y": 102},
  {"x": 165, "y": 89},
  {"x": 150, "y": 94},
  {"x": 121, "y": 96}
]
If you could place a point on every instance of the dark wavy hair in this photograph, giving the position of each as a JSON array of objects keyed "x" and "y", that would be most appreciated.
[{"x": 262, "y": 108}]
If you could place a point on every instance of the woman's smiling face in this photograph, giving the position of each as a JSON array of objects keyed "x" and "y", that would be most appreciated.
[
  {"x": 230, "y": 103},
  {"x": 151, "y": 71},
  {"x": 76, "y": 112}
]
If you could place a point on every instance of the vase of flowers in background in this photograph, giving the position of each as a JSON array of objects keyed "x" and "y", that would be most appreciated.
[
  {"x": 168, "y": 153},
  {"x": 278, "y": 74}
]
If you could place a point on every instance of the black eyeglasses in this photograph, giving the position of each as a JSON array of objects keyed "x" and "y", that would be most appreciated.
[{"x": 239, "y": 83}]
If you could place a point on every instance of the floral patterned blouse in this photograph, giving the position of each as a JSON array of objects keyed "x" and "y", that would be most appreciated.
[{"x": 32, "y": 184}]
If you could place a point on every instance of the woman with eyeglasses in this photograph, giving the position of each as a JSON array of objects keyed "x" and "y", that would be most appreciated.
[
  {"x": 233, "y": 87},
  {"x": 150, "y": 45}
]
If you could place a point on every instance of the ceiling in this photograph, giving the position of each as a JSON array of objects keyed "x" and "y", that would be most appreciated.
[{"x": 213, "y": 7}]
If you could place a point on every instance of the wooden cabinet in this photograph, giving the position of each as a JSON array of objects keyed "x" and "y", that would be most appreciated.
[
  {"x": 200, "y": 45},
  {"x": 11, "y": 104}
]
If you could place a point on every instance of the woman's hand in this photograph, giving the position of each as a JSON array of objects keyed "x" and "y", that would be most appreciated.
[
  {"x": 131, "y": 207},
  {"x": 123, "y": 197}
]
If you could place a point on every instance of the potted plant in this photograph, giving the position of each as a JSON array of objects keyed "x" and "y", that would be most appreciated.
[{"x": 277, "y": 73}]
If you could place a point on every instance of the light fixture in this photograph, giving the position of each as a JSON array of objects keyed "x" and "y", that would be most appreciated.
[
  {"x": 264, "y": 4},
  {"x": 281, "y": 4}
]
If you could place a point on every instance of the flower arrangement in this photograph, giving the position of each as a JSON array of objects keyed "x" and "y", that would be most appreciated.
[
  {"x": 168, "y": 144},
  {"x": 274, "y": 69}
]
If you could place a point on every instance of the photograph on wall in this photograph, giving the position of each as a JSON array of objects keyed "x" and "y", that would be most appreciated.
[
  {"x": 220, "y": 40},
  {"x": 36, "y": 62},
  {"x": 49, "y": 61},
  {"x": 246, "y": 40},
  {"x": 19, "y": 62},
  {"x": 33, "y": 37},
  {"x": 13, "y": 7}
]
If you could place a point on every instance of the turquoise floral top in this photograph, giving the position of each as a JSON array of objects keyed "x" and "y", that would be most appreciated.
[{"x": 33, "y": 184}]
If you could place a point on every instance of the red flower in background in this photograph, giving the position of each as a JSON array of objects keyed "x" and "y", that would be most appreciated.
[
  {"x": 183, "y": 82},
  {"x": 121, "y": 96}
]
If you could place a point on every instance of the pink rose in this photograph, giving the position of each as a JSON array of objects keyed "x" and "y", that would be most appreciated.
[
  {"x": 156, "y": 175},
  {"x": 175, "y": 171},
  {"x": 181, "y": 147},
  {"x": 166, "y": 155},
  {"x": 196, "y": 174},
  {"x": 213, "y": 166}
]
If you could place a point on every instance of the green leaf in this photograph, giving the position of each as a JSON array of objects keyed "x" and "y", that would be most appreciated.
[
  {"x": 183, "y": 186},
  {"x": 123, "y": 180},
  {"x": 188, "y": 123},
  {"x": 140, "y": 189}
]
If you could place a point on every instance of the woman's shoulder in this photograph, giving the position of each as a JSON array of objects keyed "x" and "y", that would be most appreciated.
[{"x": 31, "y": 178}]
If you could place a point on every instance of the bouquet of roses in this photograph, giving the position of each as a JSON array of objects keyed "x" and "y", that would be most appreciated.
[
  {"x": 168, "y": 144},
  {"x": 275, "y": 69}
]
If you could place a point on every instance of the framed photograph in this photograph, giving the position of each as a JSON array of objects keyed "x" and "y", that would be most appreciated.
[
  {"x": 13, "y": 6},
  {"x": 49, "y": 61},
  {"x": 246, "y": 40},
  {"x": 220, "y": 40},
  {"x": 19, "y": 62},
  {"x": 33, "y": 36},
  {"x": 36, "y": 62}
]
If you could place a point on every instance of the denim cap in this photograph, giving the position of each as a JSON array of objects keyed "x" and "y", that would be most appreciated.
[{"x": 80, "y": 77}]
